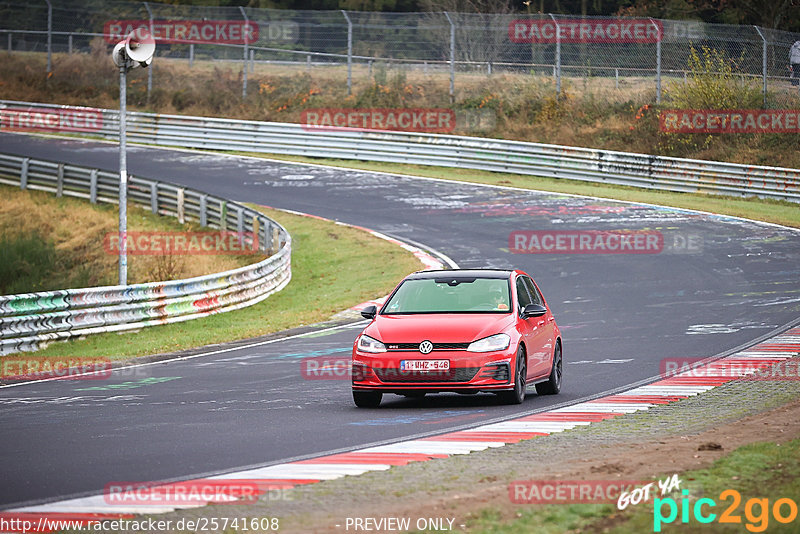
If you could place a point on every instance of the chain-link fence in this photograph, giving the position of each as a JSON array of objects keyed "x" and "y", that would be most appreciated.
[{"x": 603, "y": 52}]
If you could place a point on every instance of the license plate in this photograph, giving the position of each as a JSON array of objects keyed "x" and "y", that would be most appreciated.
[{"x": 424, "y": 365}]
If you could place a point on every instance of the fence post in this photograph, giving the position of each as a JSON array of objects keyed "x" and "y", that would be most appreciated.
[
  {"x": 452, "y": 57},
  {"x": 23, "y": 175},
  {"x": 69, "y": 44},
  {"x": 244, "y": 62},
  {"x": 191, "y": 55},
  {"x": 93, "y": 186},
  {"x": 252, "y": 61},
  {"x": 180, "y": 202},
  {"x": 658, "y": 62},
  {"x": 557, "y": 67},
  {"x": 203, "y": 212},
  {"x": 154, "y": 197},
  {"x": 150, "y": 69},
  {"x": 60, "y": 180},
  {"x": 49, "y": 36},
  {"x": 349, "y": 52},
  {"x": 763, "y": 64}
]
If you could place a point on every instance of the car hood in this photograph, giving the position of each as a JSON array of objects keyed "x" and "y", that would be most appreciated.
[{"x": 438, "y": 327}]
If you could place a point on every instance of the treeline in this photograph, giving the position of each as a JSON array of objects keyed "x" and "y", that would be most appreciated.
[{"x": 778, "y": 14}]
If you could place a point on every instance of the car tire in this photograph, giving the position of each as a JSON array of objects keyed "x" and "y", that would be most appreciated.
[
  {"x": 553, "y": 384},
  {"x": 517, "y": 395},
  {"x": 367, "y": 399}
]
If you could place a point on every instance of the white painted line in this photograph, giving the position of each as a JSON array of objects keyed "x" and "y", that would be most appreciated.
[
  {"x": 435, "y": 447},
  {"x": 303, "y": 471},
  {"x": 531, "y": 426}
]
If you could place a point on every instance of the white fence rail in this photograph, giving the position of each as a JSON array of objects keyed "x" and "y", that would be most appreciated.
[
  {"x": 27, "y": 320},
  {"x": 622, "y": 168}
]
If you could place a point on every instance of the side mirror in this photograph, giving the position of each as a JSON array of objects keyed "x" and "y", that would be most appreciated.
[
  {"x": 369, "y": 312},
  {"x": 532, "y": 310}
]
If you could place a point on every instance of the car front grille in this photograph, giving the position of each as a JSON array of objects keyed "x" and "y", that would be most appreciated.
[
  {"x": 392, "y": 347},
  {"x": 456, "y": 374}
]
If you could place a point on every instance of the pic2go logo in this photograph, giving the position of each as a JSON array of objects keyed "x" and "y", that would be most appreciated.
[{"x": 756, "y": 511}]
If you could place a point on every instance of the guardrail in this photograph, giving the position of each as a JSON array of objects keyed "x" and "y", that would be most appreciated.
[
  {"x": 27, "y": 320},
  {"x": 621, "y": 168}
]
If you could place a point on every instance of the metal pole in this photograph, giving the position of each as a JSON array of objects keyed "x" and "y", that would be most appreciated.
[
  {"x": 658, "y": 62},
  {"x": 123, "y": 181},
  {"x": 49, "y": 36},
  {"x": 244, "y": 63},
  {"x": 9, "y": 42},
  {"x": 349, "y": 52},
  {"x": 763, "y": 63},
  {"x": 191, "y": 55},
  {"x": 150, "y": 70},
  {"x": 69, "y": 44},
  {"x": 452, "y": 57},
  {"x": 557, "y": 67},
  {"x": 252, "y": 61}
]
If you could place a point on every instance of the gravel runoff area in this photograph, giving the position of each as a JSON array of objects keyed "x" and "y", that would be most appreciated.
[{"x": 644, "y": 445}]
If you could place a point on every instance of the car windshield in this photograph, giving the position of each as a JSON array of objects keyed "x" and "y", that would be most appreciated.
[{"x": 450, "y": 295}]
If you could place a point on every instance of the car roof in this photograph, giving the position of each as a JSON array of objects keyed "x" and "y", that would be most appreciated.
[{"x": 461, "y": 273}]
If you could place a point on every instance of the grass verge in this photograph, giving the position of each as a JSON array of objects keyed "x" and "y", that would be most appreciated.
[
  {"x": 765, "y": 472},
  {"x": 333, "y": 268},
  {"x": 773, "y": 211},
  {"x": 49, "y": 243}
]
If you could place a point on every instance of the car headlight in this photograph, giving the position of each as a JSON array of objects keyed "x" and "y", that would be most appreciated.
[
  {"x": 367, "y": 344},
  {"x": 490, "y": 344}
]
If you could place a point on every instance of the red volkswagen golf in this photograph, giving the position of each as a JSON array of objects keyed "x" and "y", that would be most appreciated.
[{"x": 465, "y": 331}]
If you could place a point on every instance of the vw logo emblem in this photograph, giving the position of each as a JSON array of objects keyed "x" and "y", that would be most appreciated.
[{"x": 425, "y": 347}]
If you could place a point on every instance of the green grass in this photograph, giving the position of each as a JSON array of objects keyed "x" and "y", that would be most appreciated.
[
  {"x": 774, "y": 211},
  {"x": 764, "y": 470},
  {"x": 333, "y": 268}
]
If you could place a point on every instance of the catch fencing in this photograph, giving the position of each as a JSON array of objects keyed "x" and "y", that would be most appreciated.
[
  {"x": 28, "y": 320},
  {"x": 600, "y": 51},
  {"x": 536, "y": 159}
]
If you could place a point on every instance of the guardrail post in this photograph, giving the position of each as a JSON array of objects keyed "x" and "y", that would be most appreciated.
[
  {"x": 49, "y": 36},
  {"x": 658, "y": 62},
  {"x": 203, "y": 206},
  {"x": 181, "y": 208},
  {"x": 223, "y": 215},
  {"x": 150, "y": 69},
  {"x": 154, "y": 198},
  {"x": 557, "y": 65},
  {"x": 255, "y": 225},
  {"x": 244, "y": 62},
  {"x": 60, "y": 180},
  {"x": 23, "y": 175},
  {"x": 240, "y": 227},
  {"x": 276, "y": 240},
  {"x": 93, "y": 186},
  {"x": 349, "y": 52},
  {"x": 452, "y": 57},
  {"x": 763, "y": 64}
]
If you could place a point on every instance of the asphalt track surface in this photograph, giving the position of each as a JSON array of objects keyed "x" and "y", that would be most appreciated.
[{"x": 621, "y": 316}]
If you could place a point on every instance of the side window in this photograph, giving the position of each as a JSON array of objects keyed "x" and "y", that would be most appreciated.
[
  {"x": 535, "y": 295},
  {"x": 522, "y": 294}
]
